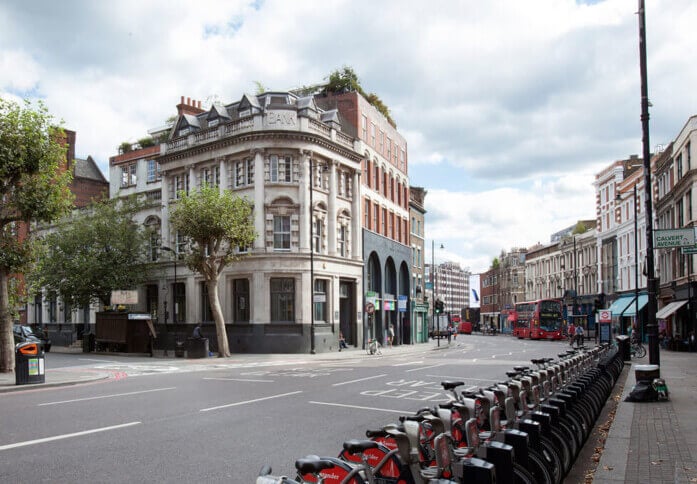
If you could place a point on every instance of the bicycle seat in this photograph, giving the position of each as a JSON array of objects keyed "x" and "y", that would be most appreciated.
[
  {"x": 449, "y": 385},
  {"x": 512, "y": 374},
  {"x": 521, "y": 368},
  {"x": 355, "y": 446},
  {"x": 537, "y": 361},
  {"x": 312, "y": 464}
]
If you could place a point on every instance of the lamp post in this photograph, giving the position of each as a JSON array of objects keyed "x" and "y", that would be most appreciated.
[
  {"x": 174, "y": 292},
  {"x": 434, "y": 281},
  {"x": 651, "y": 282}
]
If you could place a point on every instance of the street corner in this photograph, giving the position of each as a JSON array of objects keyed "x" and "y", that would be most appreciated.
[{"x": 58, "y": 378}]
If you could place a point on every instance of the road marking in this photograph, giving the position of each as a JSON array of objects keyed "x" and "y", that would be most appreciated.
[
  {"x": 65, "y": 436},
  {"x": 424, "y": 367},
  {"x": 240, "y": 379},
  {"x": 360, "y": 379},
  {"x": 403, "y": 412},
  {"x": 249, "y": 401},
  {"x": 98, "y": 361},
  {"x": 105, "y": 396},
  {"x": 460, "y": 377},
  {"x": 409, "y": 363}
]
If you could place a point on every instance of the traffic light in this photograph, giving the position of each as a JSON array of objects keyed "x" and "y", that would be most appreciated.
[{"x": 440, "y": 306}]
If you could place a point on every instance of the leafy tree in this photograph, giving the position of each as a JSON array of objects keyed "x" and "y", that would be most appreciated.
[
  {"x": 33, "y": 188},
  {"x": 93, "y": 252},
  {"x": 217, "y": 223}
]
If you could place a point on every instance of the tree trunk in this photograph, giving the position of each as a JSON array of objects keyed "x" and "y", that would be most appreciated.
[
  {"x": 221, "y": 333},
  {"x": 7, "y": 341}
]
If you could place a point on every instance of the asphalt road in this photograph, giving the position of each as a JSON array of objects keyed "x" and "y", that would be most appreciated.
[{"x": 168, "y": 420}]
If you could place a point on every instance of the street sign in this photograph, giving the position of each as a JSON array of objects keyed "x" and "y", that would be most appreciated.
[
  {"x": 689, "y": 250},
  {"x": 369, "y": 308},
  {"x": 674, "y": 238},
  {"x": 605, "y": 316}
]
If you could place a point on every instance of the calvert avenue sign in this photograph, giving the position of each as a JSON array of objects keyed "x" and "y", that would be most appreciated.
[{"x": 674, "y": 238}]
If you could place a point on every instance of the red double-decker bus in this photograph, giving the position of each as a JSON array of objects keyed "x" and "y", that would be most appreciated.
[{"x": 541, "y": 319}]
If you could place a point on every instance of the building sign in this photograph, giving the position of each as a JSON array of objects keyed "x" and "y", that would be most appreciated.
[
  {"x": 421, "y": 307},
  {"x": 124, "y": 297},
  {"x": 605, "y": 316},
  {"x": 674, "y": 238},
  {"x": 402, "y": 304},
  {"x": 281, "y": 119},
  {"x": 389, "y": 305}
]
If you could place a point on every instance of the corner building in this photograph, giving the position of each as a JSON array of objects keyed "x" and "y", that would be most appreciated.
[
  {"x": 301, "y": 170},
  {"x": 384, "y": 192}
]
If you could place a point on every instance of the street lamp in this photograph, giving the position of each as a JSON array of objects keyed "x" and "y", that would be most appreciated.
[
  {"x": 174, "y": 292},
  {"x": 651, "y": 282}
]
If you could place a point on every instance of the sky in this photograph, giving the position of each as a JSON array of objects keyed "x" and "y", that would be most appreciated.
[{"x": 509, "y": 108}]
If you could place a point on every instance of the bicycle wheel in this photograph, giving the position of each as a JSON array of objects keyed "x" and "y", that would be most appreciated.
[
  {"x": 640, "y": 351},
  {"x": 552, "y": 459},
  {"x": 539, "y": 468},
  {"x": 522, "y": 475}
]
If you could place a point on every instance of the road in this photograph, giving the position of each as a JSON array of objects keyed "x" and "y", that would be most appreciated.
[{"x": 175, "y": 420}]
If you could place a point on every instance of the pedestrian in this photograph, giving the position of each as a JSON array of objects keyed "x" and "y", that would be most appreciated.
[
  {"x": 390, "y": 335},
  {"x": 572, "y": 333},
  {"x": 579, "y": 336},
  {"x": 197, "y": 332},
  {"x": 342, "y": 341}
]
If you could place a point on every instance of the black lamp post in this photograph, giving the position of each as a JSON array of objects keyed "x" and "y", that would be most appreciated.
[
  {"x": 174, "y": 292},
  {"x": 651, "y": 282}
]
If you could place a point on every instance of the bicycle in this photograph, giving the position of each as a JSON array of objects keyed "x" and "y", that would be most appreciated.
[{"x": 637, "y": 349}]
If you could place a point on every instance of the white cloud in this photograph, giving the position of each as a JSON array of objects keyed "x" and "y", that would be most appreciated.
[{"x": 509, "y": 108}]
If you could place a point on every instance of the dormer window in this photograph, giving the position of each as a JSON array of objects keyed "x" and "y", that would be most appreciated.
[
  {"x": 213, "y": 122},
  {"x": 184, "y": 131},
  {"x": 245, "y": 112}
]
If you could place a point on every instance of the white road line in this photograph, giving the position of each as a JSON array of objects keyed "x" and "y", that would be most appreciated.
[
  {"x": 100, "y": 361},
  {"x": 424, "y": 367},
  {"x": 240, "y": 379},
  {"x": 403, "y": 412},
  {"x": 249, "y": 401},
  {"x": 460, "y": 378},
  {"x": 360, "y": 379},
  {"x": 409, "y": 363},
  {"x": 65, "y": 436},
  {"x": 105, "y": 396}
]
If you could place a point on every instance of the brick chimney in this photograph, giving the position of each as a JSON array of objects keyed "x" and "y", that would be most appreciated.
[{"x": 189, "y": 106}]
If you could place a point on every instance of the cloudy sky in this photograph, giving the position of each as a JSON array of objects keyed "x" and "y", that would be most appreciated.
[{"x": 509, "y": 107}]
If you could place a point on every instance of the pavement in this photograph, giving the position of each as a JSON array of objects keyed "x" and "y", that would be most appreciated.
[{"x": 638, "y": 442}]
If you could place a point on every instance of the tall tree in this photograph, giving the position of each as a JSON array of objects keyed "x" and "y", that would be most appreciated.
[
  {"x": 33, "y": 188},
  {"x": 94, "y": 252},
  {"x": 217, "y": 223}
]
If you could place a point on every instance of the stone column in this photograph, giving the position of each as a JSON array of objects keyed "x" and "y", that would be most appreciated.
[
  {"x": 331, "y": 209},
  {"x": 259, "y": 208}
]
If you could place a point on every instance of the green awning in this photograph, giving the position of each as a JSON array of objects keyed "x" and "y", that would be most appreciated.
[
  {"x": 620, "y": 305},
  {"x": 631, "y": 309}
]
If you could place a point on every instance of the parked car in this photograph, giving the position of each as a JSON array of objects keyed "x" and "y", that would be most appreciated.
[{"x": 24, "y": 334}]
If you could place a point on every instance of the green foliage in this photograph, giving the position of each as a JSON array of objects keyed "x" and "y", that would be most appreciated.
[
  {"x": 217, "y": 223},
  {"x": 259, "y": 88},
  {"x": 580, "y": 228},
  {"x": 146, "y": 142},
  {"x": 33, "y": 188},
  {"x": 496, "y": 263},
  {"x": 94, "y": 252},
  {"x": 124, "y": 147}
]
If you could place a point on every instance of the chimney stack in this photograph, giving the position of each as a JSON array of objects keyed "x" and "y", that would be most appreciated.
[{"x": 189, "y": 107}]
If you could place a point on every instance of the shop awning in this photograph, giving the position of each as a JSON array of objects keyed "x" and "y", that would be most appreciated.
[
  {"x": 666, "y": 311},
  {"x": 631, "y": 309},
  {"x": 620, "y": 305}
]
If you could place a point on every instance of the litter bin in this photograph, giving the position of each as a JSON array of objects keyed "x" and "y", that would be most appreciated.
[
  {"x": 179, "y": 349},
  {"x": 29, "y": 364},
  {"x": 198, "y": 348},
  {"x": 623, "y": 346},
  {"x": 87, "y": 343}
]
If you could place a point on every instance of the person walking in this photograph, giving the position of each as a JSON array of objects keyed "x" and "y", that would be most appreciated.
[
  {"x": 579, "y": 336},
  {"x": 572, "y": 333},
  {"x": 390, "y": 335}
]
